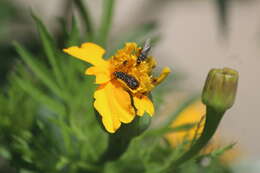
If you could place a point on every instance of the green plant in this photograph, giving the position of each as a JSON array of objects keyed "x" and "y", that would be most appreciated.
[{"x": 48, "y": 123}]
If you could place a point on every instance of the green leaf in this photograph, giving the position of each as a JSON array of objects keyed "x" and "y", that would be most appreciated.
[
  {"x": 5, "y": 153},
  {"x": 106, "y": 21},
  {"x": 64, "y": 132},
  {"x": 39, "y": 70},
  {"x": 167, "y": 129},
  {"x": 41, "y": 97},
  {"x": 74, "y": 34},
  {"x": 84, "y": 13},
  {"x": 63, "y": 35},
  {"x": 49, "y": 49},
  {"x": 220, "y": 151}
]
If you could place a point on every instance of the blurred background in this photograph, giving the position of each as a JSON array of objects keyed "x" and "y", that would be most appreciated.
[{"x": 195, "y": 36}]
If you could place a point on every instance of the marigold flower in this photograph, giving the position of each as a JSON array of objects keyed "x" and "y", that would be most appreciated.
[{"x": 125, "y": 80}]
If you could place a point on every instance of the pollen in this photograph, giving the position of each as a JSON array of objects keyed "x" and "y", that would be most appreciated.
[{"x": 126, "y": 62}]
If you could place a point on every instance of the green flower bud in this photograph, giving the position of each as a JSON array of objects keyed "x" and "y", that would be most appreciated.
[{"x": 220, "y": 89}]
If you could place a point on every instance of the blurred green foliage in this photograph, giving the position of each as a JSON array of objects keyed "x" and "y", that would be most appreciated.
[
  {"x": 11, "y": 18},
  {"x": 223, "y": 15},
  {"x": 48, "y": 123},
  {"x": 7, "y": 13}
]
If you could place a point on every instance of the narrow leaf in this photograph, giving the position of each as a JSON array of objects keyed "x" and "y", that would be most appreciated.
[
  {"x": 164, "y": 130},
  {"x": 49, "y": 48},
  {"x": 222, "y": 150},
  {"x": 74, "y": 34},
  {"x": 106, "y": 21},
  {"x": 40, "y": 71},
  {"x": 84, "y": 12},
  {"x": 41, "y": 97}
]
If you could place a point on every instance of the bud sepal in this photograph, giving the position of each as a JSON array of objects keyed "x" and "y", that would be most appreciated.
[{"x": 220, "y": 88}]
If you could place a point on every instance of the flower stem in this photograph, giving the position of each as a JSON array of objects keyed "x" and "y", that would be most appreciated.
[
  {"x": 119, "y": 141},
  {"x": 106, "y": 21},
  {"x": 213, "y": 119}
]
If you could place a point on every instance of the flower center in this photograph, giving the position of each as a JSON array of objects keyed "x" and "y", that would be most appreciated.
[{"x": 133, "y": 68}]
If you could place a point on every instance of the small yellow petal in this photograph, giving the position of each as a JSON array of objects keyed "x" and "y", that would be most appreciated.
[
  {"x": 165, "y": 72},
  {"x": 102, "y": 74},
  {"x": 143, "y": 104},
  {"x": 114, "y": 105},
  {"x": 88, "y": 52}
]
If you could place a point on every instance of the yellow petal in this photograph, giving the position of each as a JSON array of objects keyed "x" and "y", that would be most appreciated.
[
  {"x": 88, "y": 52},
  {"x": 102, "y": 74},
  {"x": 114, "y": 105},
  {"x": 165, "y": 72},
  {"x": 143, "y": 104}
]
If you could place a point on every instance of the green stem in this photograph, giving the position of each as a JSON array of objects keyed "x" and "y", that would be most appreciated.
[
  {"x": 83, "y": 10},
  {"x": 116, "y": 147},
  {"x": 106, "y": 21},
  {"x": 213, "y": 119},
  {"x": 119, "y": 141}
]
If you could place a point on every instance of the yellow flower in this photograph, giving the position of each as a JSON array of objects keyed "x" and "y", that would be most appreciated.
[
  {"x": 194, "y": 113},
  {"x": 125, "y": 80}
]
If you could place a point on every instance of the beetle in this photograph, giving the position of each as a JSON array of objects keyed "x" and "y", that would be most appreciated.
[{"x": 129, "y": 80}]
